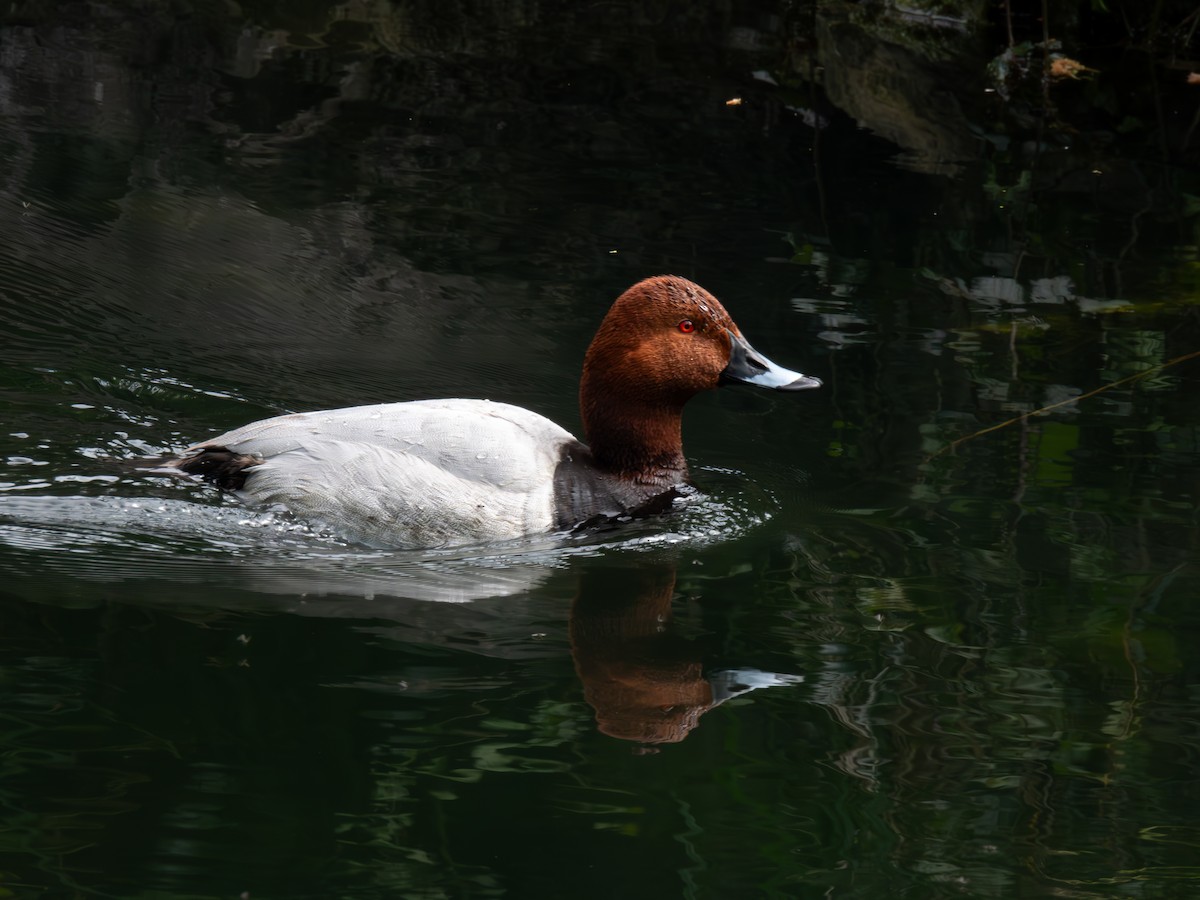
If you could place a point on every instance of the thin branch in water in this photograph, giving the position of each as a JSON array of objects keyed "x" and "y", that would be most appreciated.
[{"x": 953, "y": 445}]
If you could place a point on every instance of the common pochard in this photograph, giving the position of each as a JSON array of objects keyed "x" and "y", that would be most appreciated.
[{"x": 430, "y": 473}]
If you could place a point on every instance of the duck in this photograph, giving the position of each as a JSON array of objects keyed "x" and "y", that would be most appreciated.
[{"x": 436, "y": 473}]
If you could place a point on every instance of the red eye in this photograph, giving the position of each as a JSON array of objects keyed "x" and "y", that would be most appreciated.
[{"x": 686, "y": 326}]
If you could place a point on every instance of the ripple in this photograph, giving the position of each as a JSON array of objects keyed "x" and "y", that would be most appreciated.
[{"x": 228, "y": 548}]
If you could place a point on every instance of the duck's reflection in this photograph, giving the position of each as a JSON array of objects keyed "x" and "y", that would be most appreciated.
[{"x": 645, "y": 681}]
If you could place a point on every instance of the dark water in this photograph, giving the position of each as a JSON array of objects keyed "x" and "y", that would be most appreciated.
[{"x": 975, "y": 659}]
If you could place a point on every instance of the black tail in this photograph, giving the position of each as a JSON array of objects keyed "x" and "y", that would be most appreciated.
[{"x": 219, "y": 466}]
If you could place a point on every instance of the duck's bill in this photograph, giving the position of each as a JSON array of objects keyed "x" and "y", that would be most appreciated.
[{"x": 748, "y": 366}]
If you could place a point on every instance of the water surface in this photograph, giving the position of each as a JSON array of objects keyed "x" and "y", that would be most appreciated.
[{"x": 883, "y": 654}]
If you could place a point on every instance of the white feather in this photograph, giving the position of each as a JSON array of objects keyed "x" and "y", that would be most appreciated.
[{"x": 418, "y": 474}]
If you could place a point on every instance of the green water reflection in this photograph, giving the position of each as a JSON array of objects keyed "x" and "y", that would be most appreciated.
[{"x": 889, "y": 653}]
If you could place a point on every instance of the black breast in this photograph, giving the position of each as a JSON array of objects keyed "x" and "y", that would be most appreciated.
[{"x": 584, "y": 495}]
